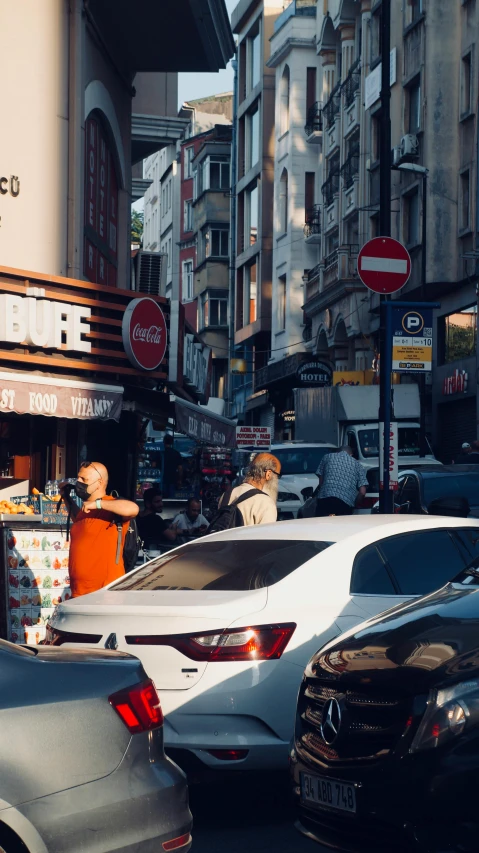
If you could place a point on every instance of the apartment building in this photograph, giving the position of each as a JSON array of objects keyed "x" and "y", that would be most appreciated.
[
  {"x": 327, "y": 63},
  {"x": 253, "y": 22},
  {"x": 161, "y": 211}
]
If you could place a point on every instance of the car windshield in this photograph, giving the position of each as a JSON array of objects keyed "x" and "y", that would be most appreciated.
[
  {"x": 301, "y": 460},
  {"x": 408, "y": 442},
  {"x": 437, "y": 485},
  {"x": 227, "y": 565}
]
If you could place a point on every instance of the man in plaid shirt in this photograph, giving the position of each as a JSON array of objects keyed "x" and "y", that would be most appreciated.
[{"x": 342, "y": 480}]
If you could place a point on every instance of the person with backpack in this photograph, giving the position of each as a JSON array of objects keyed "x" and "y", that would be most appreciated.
[
  {"x": 254, "y": 501},
  {"x": 99, "y": 530}
]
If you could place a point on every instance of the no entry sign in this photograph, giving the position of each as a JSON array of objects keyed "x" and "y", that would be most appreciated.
[{"x": 384, "y": 265}]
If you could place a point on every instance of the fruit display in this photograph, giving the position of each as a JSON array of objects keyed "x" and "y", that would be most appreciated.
[
  {"x": 11, "y": 508},
  {"x": 38, "y": 580}
]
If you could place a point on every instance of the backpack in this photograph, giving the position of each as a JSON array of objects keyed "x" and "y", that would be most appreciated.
[
  {"x": 229, "y": 515},
  {"x": 132, "y": 545}
]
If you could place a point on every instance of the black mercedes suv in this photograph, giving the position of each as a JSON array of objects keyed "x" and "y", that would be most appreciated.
[{"x": 386, "y": 749}]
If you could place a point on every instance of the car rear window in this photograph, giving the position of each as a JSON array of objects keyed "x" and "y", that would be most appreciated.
[
  {"x": 301, "y": 460},
  {"x": 422, "y": 561},
  {"x": 226, "y": 565}
]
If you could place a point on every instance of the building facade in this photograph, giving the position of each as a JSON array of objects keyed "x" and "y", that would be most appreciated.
[
  {"x": 327, "y": 64},
  {"x": 253, "y": 22},
  {"x": 75, "y": 380}
]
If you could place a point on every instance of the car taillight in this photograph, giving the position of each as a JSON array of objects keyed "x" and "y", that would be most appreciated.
[
  {"x": 139, "y": 707},
  {"x": 260, "y": 642},
  {"x": 177, "y": 843},
  {"x": 57, "y": 638}
]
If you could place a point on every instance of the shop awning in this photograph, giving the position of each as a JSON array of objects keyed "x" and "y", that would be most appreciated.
[
  {"x": 28, "y": 394},
  {"x": 198, "y": 423}
]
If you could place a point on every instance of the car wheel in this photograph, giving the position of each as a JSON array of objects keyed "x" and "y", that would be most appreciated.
[{"x": 9, "y": 842}]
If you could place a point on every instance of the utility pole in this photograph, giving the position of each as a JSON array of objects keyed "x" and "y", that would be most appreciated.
[
  {"x": 385, "y": 403},
  {"x": 232, "y": 247}
]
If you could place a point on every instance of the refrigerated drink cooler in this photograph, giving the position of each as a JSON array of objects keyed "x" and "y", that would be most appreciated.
[{"x": 34, "y": 576}]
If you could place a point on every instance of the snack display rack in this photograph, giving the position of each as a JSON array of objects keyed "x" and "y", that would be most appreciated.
[{"x": 34, "y": 568}]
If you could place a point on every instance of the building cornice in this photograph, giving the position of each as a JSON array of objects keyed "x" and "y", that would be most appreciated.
[{"x": 287, "y": 46}]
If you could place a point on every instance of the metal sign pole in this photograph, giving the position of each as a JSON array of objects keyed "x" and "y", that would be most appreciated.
[{"x": 385, "y": 403}]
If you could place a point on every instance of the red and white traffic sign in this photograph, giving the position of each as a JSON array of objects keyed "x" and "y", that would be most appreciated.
[{"x": 384, "y": 265}]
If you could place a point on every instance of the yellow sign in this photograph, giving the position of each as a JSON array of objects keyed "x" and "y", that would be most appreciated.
[
  {"x": 238, "y": 365},
  {"x": 355, "y": 377},
  {"x": 412, "y": 357}
]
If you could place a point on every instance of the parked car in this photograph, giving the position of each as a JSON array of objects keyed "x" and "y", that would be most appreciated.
[
  {"x": 82, "y": 761},
  {"x": 225, "y": 625},
  {"x": 386, "y": 749},
  {"x": 451, "y": 490},
  {"x": 299, "y": 463}
]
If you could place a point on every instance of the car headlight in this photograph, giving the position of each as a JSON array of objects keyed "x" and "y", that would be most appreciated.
[{"x": 448, "y": 713}]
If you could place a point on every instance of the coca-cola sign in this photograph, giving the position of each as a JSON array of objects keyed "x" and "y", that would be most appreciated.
[{"x": 144, "y": 333}]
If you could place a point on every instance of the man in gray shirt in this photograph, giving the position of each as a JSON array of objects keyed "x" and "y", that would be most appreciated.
[{"x": 342, "y": 479}]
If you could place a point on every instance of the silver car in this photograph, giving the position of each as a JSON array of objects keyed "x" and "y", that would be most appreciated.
[{"x": 82, "y": 765}]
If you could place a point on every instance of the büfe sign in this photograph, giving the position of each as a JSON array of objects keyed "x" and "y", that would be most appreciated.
[{"x": 253, "y": 436}]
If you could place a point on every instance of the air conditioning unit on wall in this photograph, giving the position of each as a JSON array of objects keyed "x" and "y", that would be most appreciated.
[
  {"x": 150, "y": 273},
  {"x": 407, "y": 150}
]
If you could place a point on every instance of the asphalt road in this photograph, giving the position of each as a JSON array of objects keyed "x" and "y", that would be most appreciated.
[{"x": 249, "y": 814}]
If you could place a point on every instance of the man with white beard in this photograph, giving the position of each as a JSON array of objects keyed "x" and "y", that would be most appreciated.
[{"x": 262, "y": 473}]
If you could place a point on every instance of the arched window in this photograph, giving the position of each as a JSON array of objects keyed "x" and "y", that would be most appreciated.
[
  {"x": 101, "y": 204},
  {"x": 284, "y": 101},
  {"x": 283, "y": 202}
]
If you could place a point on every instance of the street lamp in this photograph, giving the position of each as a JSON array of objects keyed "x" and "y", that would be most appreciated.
[{"x": 415, "y": 168}]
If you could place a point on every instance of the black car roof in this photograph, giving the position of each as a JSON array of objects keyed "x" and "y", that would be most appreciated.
[{"x": 441, "y": 469}]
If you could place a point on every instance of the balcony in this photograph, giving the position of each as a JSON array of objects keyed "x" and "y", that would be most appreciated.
[
  {"x": 352, "y": 84},
  {"x": 311, "y": 282},
  {"x": 332, "y": 106},
  {"x": 300, "y": 8},
  {"x": 331, "y": 269},
  {"x": 332, "y": 138},
  {"x": 330, "y": 190},
  {"x": 350, "y": 167},
  {"x": 312, "y": 226},
  {"x": 314, "y": 124}
]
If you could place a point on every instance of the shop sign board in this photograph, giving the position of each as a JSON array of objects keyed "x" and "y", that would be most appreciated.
[
  {"x": 42, "y": 322},
  {"x": 197, "y": 366},
  {"x": 204, "y": 427},
  {"x": 144, "y": 333},
  {"x": 455, "y": 384},
  {"x": 372, "y": 83},
  {"x": 384, "y": 265},
  {"x": 256, "y": 437},
  {"x": 27, "y": 396},
  {"x": 314, "y": 374},
  {"x": 412, "y": 340},
  {"x": 393, "y": 457}
]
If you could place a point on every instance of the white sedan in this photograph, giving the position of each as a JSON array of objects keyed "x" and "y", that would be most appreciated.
[{"x": 226, "y": 625}]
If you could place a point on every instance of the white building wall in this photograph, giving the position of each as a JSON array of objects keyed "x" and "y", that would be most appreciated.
[
  {"x": 34, "y": 104},
  {"x": 291, "y": 254}
]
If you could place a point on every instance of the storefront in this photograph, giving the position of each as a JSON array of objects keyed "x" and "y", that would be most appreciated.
[
  {"x": 454, "y": 386},
  {"x": 281, "y": 378},
  {"x": 69, "y": 352}
]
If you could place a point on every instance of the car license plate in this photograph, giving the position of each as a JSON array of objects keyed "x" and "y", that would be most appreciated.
[{"x": 328, "y": 793}]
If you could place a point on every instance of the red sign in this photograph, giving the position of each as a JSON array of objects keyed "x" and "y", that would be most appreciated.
[
  {"x": 144, "y": 333},
  {"x": 384, "y": 265}
]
